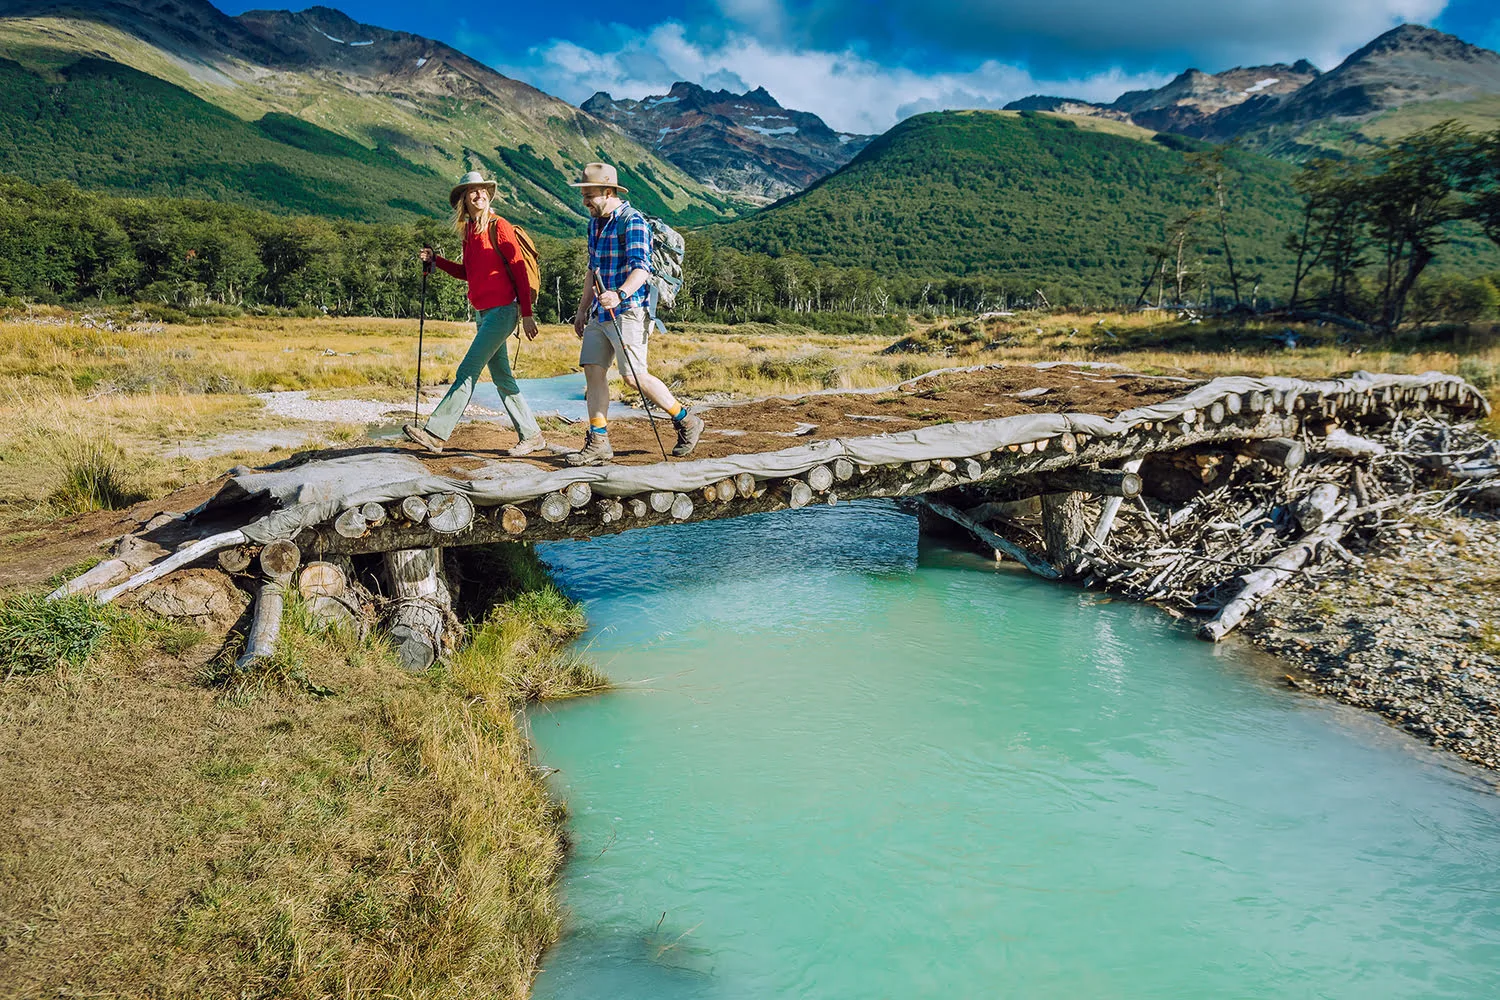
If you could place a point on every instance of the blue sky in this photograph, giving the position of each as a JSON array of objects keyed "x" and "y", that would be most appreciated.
[{"x": 865, "y": 65}]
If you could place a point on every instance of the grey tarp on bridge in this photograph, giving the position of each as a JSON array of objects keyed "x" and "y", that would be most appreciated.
[{"x": 355, "y": 480}]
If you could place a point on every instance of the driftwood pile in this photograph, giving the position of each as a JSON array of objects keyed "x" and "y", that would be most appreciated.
[{"x": 1214, "y": 529}]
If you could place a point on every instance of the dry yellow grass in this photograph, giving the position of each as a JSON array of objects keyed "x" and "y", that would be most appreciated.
[{"x": 147, "y": 389}]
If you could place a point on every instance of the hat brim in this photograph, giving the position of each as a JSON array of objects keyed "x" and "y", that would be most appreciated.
[
  {"x": 596, "y": 184},
  {"x": 458, "y": 192}
]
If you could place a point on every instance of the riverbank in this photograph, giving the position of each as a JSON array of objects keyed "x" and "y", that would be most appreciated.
[
  {"x": 324, "y": 825},
  {"x": 1413, "y": 634}
]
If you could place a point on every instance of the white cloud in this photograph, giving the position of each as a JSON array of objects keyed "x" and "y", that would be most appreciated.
[{"x": 851, "y": 92}]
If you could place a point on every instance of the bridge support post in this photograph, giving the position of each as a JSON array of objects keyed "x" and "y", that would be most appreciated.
[
  {"x": 423, "y": 604},
  {"x": 1063, "y": 528}
]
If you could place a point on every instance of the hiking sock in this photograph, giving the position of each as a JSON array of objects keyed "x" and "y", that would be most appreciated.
[
  {"x": 601, "y": 428},
  {"x": 680, "y": 415}
]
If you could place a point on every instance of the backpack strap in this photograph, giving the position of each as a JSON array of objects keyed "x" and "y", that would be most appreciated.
[{"x": 515, "y": 289}]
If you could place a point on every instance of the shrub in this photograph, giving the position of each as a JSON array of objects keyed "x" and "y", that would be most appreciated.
[{"x": 93, "y": 478}]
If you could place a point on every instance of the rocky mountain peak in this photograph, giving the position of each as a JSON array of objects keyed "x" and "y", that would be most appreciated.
[{"x": 745, "y": 144}]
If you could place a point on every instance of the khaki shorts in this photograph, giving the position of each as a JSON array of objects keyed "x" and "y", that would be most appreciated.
[{"x": 601, "y": 342}]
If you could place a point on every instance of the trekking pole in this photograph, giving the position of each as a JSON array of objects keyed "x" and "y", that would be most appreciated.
[
  {"x": 645, "y": 404},
  {"x": 421, "y": 323}
]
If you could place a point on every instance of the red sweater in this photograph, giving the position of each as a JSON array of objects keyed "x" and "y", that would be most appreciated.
[{"x": 496, "y": 274}]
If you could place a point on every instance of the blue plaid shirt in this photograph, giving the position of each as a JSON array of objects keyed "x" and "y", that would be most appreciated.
[{"x": 614, "y": 253}]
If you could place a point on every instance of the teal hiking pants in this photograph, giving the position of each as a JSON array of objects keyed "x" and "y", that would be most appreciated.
[{"x": 495, "y": 327}]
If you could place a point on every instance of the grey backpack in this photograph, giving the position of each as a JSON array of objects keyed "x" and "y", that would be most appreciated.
[{"x": 667, "y": 249}]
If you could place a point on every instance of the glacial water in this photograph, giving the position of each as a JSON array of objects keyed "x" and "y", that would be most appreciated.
[
  {"x": 560, "y": 394},
  {"x": 845, "y": 765}
]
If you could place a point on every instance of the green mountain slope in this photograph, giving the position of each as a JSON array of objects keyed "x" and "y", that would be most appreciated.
[
  {"x": 272, "y": 109},
  {"x": 1038, "y": 200},
  {"x": 99, "y": 125}
]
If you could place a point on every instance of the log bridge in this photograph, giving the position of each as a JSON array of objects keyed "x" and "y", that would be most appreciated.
[{"x": 970, "y": 473}]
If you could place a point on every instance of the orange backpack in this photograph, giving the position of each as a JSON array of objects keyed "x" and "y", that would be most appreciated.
[{"x": 529, "y": 258}]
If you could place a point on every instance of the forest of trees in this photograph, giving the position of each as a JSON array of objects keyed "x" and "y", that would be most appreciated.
[{"x": 1370, "y": 235}]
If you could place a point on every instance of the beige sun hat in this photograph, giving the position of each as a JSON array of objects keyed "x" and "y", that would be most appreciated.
[
  {"x": 472, "y": 179},
  {"x": 599, "y": 175}
]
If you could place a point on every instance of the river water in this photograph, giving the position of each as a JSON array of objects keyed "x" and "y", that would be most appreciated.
[{"x": 843, "y": 765}]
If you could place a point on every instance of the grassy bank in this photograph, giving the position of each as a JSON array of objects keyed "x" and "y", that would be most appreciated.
[{"x": 326, "y": 825}]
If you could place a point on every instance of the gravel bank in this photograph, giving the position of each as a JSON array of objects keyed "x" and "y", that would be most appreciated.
[{"x": 1413, "y": 633}]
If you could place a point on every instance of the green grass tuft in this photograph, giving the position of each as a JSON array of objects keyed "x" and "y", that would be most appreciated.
[
  {"x": 93, "y": 478},
  {"x": 37, "y": 634}
]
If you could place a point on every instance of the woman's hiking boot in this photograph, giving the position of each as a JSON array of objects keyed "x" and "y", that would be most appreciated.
[
  {"x": 596, "y": 450},
  {"x": 527, "y": 446},
  {"x": 688, "y": 433},
  {"x": 419, "y": 436}
]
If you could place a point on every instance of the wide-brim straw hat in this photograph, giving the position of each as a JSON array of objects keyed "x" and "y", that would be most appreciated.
[
  {"x": 472, "y": 179},
  {"x": 599, "y": 175}
]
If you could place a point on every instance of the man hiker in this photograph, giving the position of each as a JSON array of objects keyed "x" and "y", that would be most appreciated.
[
  {"x": 612, "y": 317},
  {"x": 499, "y": 289}
]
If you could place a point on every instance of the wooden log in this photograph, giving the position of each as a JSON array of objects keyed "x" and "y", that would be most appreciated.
[
  {"x": 744, "y": 484},
  {"x": 280, "y": 560},
  {"x": 1340, "y": 442},
  {"x": 1062, "y": 530},
  {"x": 1234, "y": 403},
  {"x": 414, "y": 509},
  {"x": 418, "y": 615},
  {"x": 946, "y": 465},
  {"x": 709, "y": 493},
  {"x": 725, "y": 490},
  {"x": 555, "y": 508},
  {"x": 972, "y": 469},
  {"x": 796, "y": 493},
  {"x": 374, "y": 514},
  {"x": 1282, "y": 452},
  {"x": 351, "y": 523},
  {"x": 512, "y": 519},
  {"x": 578, "y": 494},
  {"x": 1215, "y": 412},
  {"x": 321, "y": 578},
  {"x": 682, "y": 507},
  {"x": 1278, "y": 570},
  {"x": 1068, "y": 443},
  {"x": 329, "y": 612},
  {"x": 661, "y": 501},
  {"x": 100, "y": 575},
  {"x": 449, "y": 513},
  {"x": 638, "y": 508},
  {"x": 265, "y": 625},
  {"x": 919, "y": 468},
  {"x": 1111, "y": 509},
  {"x": 819, "y": 478},
  {"x": 236, "y": 560},
  {"x": 1000, "y": 545},
  {"x": 843, "y": 470},
  {"x": 183, "y": 557},
  {"x": 611, "y": 510},
  {"x": 1006, "y": 510},
  {"x": 1100, "y": 482},
  {"x": 1318, "y": 506}
]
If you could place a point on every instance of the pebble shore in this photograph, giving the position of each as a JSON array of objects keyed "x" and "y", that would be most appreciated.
[{"x": 1413, "y": 633}]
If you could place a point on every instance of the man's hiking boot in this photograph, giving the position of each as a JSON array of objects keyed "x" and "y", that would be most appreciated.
[
  {"x": 596, "y": 450},
  {"x": 417, "y": 435},
  {"x": 527, "y": 446},
  {"x": 688, "y": 433}
]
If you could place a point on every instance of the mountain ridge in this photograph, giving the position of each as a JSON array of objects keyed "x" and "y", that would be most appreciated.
[
  {"x": 746, "y": 145},
  {"x": 414, "y": 97},
  {"x": 1393, "y": 83}
]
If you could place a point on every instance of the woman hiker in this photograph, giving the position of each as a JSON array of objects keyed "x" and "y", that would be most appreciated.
[{"x": 498, "y": 290}]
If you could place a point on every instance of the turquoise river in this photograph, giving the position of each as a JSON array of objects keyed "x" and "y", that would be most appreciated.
[{"x": 844, "y": 764}]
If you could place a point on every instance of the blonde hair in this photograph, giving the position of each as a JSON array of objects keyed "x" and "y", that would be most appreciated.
[{"x": 461, "y": 220}]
